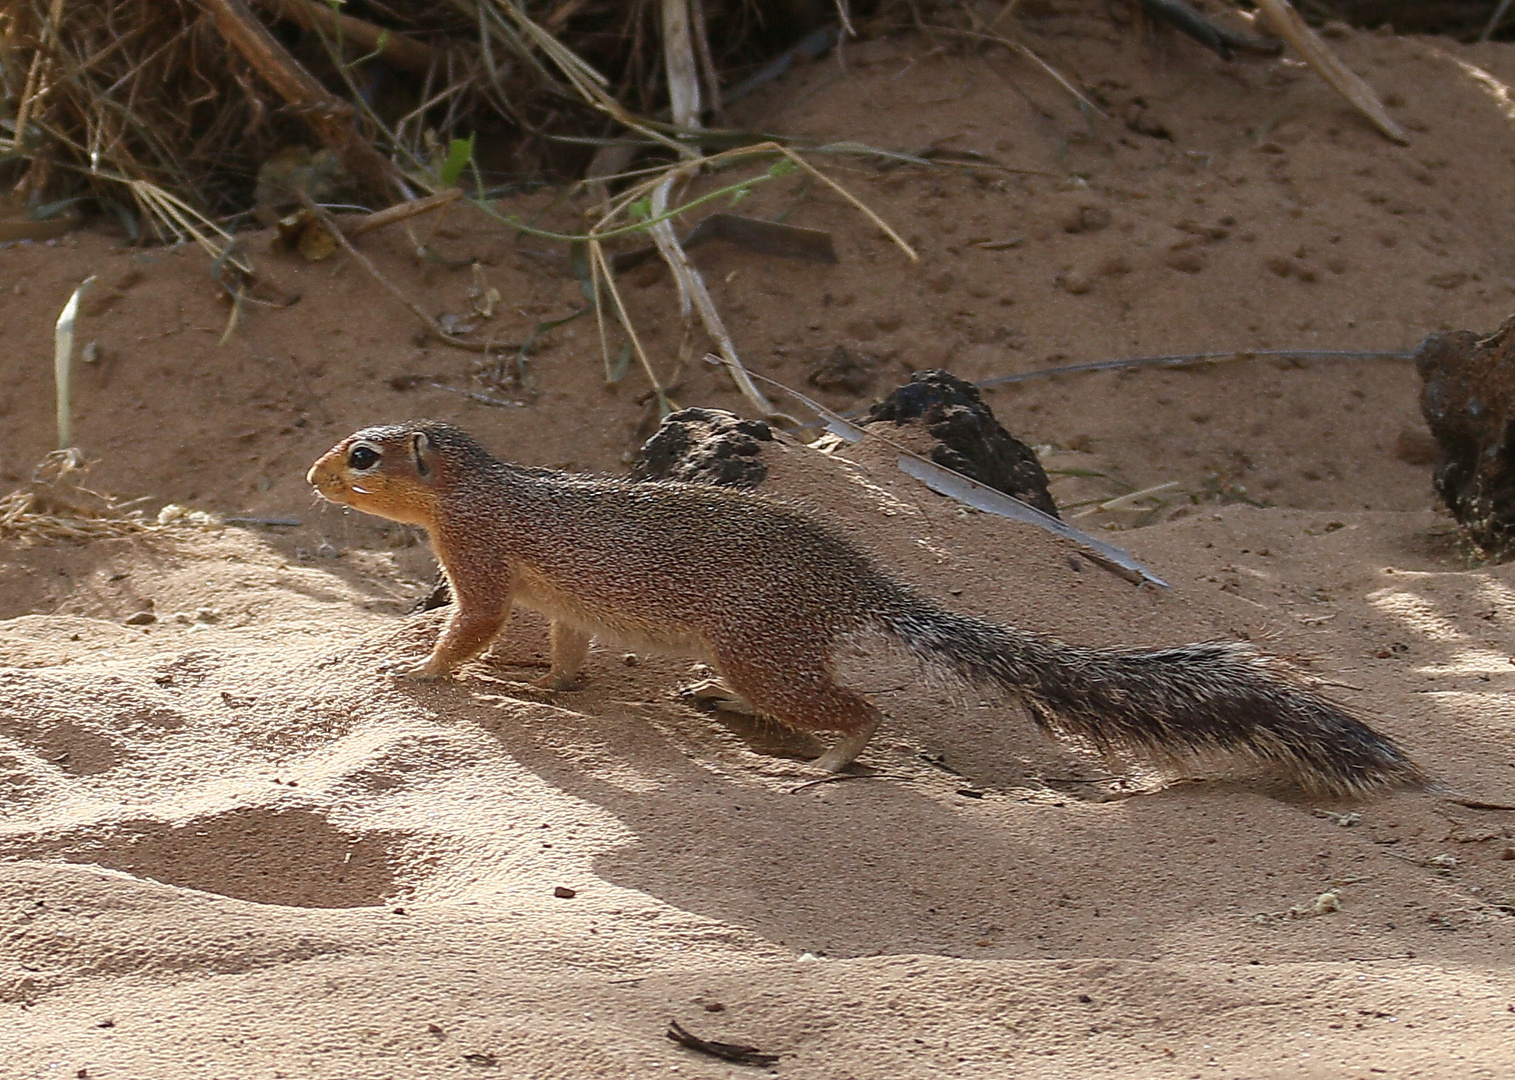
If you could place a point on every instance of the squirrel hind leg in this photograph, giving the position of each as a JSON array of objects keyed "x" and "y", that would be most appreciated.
[
  {"x": 807, "y": 700},
  {"x": 569, "y": 646},
  {"x": 846, "y": 749}
]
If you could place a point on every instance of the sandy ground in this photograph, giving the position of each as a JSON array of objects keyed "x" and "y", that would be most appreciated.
[{"x": 235, "y": 850}]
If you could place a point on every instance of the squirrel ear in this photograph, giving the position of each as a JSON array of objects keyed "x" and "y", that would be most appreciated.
[{"x": 421, "y": 451}]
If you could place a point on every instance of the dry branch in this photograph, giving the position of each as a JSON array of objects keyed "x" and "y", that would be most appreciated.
[
  {"x": 356, "y": 226},
  {"x": 328, "y": 115},
  {"x": 401, "y": 50}
]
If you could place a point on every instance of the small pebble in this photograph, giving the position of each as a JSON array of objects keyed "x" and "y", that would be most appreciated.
[
  {"x": 563, "y": 892},
  {"x": 1076, "y": 282},
  {"x": 1186, "y": 262}
]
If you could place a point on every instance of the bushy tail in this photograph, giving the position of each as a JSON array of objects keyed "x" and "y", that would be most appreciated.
[{"x": 1213, "y": 695}]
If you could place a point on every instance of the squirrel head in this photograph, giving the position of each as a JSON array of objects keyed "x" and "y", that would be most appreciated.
[{"x": 399, "y": 471}]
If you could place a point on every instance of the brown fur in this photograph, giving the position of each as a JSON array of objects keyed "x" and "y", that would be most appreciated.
[{"x": 768, "y": 596}]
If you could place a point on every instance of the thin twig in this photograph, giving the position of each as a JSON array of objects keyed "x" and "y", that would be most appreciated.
[
  {"x": 401, "y": 50},
  {"x": 1478, "y": 804},
  {"x": 399, "y": 294},
  {"x": 1179, "y": 360},
  {"x": 399, "y": 212}
]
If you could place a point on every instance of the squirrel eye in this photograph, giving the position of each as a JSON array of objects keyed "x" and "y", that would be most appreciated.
[{"x": 363, "y": 457}]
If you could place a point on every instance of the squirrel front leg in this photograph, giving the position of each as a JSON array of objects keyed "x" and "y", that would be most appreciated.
[{"x": 474, "y": 624}]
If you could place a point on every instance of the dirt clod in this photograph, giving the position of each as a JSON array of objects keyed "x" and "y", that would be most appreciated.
[
  {"x": 1468, "y": 399},
  {"x": 705, "y": 446},
  {"x": 970, "y": 440}
]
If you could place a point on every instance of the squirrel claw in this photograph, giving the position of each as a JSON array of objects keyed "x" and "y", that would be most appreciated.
[
  {"x": 555, "y": 682},
  {"x": 717, "y": 694},
  {"x": 401, "y": 669}
]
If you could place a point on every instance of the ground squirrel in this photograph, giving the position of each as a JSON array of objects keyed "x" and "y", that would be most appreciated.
[{"x": 768, "y": 595}]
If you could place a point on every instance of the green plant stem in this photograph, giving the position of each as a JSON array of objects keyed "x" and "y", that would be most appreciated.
[{"x": 625, "y": 230}]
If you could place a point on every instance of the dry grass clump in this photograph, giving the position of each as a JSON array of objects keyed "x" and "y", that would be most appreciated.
[
  {"x": 194, "y": 96},
  {"x": 53, "y": 505}
]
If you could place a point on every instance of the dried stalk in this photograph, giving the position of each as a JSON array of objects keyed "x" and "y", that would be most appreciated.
[
  {"x": 401, "y": 50},
  {"x": 1286, "y": 23},
  {"x": 692, "y": 291},
  {"x": 332, "y": 118},
  {"x": 356, "y": 227},
  {"x": 679, "y": 63}
]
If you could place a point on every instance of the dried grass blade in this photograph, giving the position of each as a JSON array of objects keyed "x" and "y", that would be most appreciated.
[
  {"x": 857, "y": 203},
  {"x": 1495, "y": 20},
  {"x": 184, "y": 220},
  {"x": 1023, "y": 50},
  {"x": 63, "y": 355},
  {"x": 982, "y": 497},
  {"x": 588, "y": 82},
  {"x": 602, "y": 273},
  {"x": 679, "y": 63},
  {"x": 1120, "y": 502},
  {"x": 1286, "y": 23},
  {"x": 692, "y": 291}
]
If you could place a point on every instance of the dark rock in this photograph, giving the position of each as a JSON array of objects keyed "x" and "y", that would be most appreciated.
[
  {"x": 706, "y": 446},
  {"x": 841, "y": 372},
  {"x": 1468, "y": 399},
  {"x": 440, "y": 596},
  {"x": 970, "y": 440}
]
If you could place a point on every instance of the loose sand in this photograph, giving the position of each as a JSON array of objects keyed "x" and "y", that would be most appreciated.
[{"x": 238, "y": 851}]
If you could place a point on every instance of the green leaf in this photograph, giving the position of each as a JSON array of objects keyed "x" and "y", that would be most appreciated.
[
  {"x": 578, "y": 265},
  {"x": 640, "y": 210},
  {"x": 459, "y": 154}
]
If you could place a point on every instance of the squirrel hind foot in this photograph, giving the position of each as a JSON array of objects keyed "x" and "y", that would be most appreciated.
[{"x": 846, "y": 749}]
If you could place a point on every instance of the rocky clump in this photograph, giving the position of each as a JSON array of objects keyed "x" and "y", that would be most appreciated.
[
  {"x": 707, "y": 446},
  {"x": 1468, "y": 398},
  {"x": 969, "y": 439}
]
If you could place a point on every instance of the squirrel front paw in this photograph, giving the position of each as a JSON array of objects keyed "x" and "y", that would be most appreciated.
[{"x": 556, "y": 682}]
